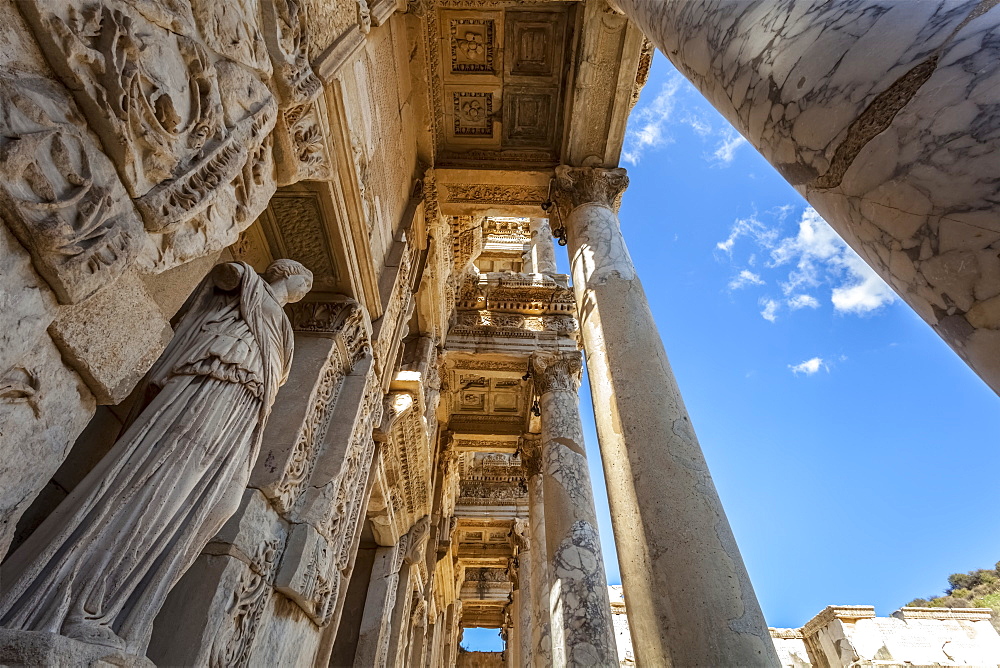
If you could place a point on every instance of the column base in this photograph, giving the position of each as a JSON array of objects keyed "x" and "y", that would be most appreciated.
[{"x": 37, "y": 648}]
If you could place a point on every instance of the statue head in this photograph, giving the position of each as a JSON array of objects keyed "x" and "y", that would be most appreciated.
[{"x": 289, "y": 279}]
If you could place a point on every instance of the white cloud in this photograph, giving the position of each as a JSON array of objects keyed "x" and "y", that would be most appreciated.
[
  {"x": 701, "y": 127},
  {"x": 821, "y": 256},
  {"x": 770, "y": 309},
  {"x": 725, "y": 151},
  {"x": 809, "y": 367},
  {"x": 745, "y": 278},
  {"x": 647, "y": 124},
  {"x": 796, "y": 302},
  {"x": 864, "y": 291},
  {"x": 749, "y": 227}
]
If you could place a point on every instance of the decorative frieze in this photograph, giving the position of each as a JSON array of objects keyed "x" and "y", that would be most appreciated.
[
  {"x": 233, "y": 646},
  {"x": 189, "y": 134},
  {"x": 493, "y": 194}
]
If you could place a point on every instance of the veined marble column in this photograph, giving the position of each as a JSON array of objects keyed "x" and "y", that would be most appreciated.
[
  {"x": 883, "y": 115},
  {"x": 541, "y": 641},
  {"x": 688, "y": 595},
  {"x": 543, "y": 253},
  {"x": 580, "y": 610}
]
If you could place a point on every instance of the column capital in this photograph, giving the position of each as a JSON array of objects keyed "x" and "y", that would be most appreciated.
[
  {"x": 592, "y": 185},
  {"x": 557, "y": 371},
  {"x": 519, "y": 532},
  {"x": 531, "y": 455}
]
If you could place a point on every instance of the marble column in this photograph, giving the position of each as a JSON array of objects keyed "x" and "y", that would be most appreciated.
[
  {"x": 541, "y": 641},
  {"x": 883, "y": 115},
  {"x": 543, "y": 254},
  {"x": 688, "y": 595},
  {"x": 580, "y": 611}
]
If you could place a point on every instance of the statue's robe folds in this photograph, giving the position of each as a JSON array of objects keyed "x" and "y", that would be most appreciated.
[{"x": 99, "y": 568}]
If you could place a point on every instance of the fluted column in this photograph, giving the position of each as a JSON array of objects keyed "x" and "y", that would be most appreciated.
[
  {"x": 580, "y": 611},
  {"x": 541, "y": 641},
  {"x": 688, "y": 595},
  {"x": 883, "y": 115},
  {"x": 543, "y": 253}
]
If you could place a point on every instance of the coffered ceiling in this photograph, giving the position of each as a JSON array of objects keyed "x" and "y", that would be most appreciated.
[{"x": 502, "y": 76}]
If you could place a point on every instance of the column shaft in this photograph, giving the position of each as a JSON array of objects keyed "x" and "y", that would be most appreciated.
[
  {"x": 688, "y": 595},
  {"x": 580, "y": 611}
]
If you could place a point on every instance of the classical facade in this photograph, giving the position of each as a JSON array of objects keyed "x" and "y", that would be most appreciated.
[{"x": 198, "y": 466}]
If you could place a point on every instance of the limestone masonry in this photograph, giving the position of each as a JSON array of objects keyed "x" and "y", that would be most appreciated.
[{"x": 288, "y": 372}]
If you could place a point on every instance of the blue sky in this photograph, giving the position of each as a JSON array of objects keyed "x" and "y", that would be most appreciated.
[{"x": 854, "y": 452}]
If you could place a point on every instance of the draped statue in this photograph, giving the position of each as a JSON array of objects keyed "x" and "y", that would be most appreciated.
[{"x": 99, "y": 568}]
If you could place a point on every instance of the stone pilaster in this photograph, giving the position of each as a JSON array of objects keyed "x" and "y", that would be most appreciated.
[
  {"x": 690, "y": 601},
  {"x": 541, "y": 640},
  {"x": 886, "y": 125},
  {"x": 581, "y": 627},
  {"x": 525, "y": 594},
  {"x": 373, "y": 638}
]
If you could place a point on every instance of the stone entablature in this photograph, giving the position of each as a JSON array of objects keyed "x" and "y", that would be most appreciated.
[{"x": 506, "y": 292}]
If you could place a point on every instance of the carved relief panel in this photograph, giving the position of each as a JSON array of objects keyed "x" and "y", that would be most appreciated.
[
  {"x": 300, "y": 148},
  {"x": 60, "y": 194},
  {"x": 188, "y": 133}
]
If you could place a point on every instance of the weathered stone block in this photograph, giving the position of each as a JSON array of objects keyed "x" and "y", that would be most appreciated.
[
  {"x": 307, "y": 574},
  {"x": 113, "y": 338}
]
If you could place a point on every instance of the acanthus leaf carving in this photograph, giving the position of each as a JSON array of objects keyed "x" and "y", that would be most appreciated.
[
  {"x": 230, "y": 28},
  {"x": 592, "y": 185},
  {"x": 60, "y": 194},
  {"x": 232, "y": 648},
  {"x": 553, "y": 372}
]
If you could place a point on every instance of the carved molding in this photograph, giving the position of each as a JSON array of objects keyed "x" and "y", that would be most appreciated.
[
  {"x": 343, "y": 320},
  {"x": 301, "y": 149},
  {"x": 554, "y": 372},
  {"x": 314, "y": 428},
  {"x": 493, "y": 194},
  {"x": 592, "y": 185}
]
